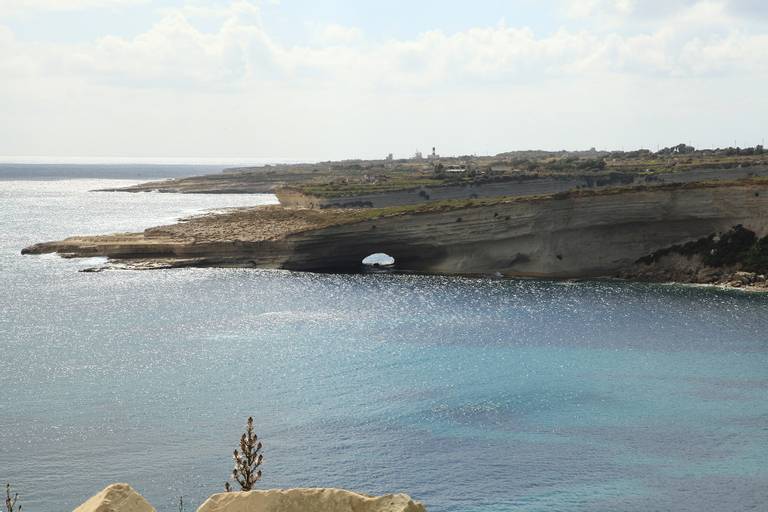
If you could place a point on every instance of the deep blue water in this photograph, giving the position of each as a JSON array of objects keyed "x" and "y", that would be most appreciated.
[{"x": 469, "y": 394}]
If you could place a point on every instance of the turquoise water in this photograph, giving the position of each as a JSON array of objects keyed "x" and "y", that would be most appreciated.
[{"x": 469, "y": 394}]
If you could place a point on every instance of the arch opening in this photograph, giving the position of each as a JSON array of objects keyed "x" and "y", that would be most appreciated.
[{"x": 378, "y": 260}]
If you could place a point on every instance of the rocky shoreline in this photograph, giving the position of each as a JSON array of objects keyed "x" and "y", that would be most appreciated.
[
  {"x": 744, "y": 281},
  {"x": 632, "y": 233},
  {"x": 748, "y": 281}
]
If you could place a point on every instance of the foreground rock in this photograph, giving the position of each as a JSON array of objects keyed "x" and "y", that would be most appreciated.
[
  {"x": 306, "y": 500},
  {"x": 122, "y": 498},
  {"x": 116, "y": 498}
]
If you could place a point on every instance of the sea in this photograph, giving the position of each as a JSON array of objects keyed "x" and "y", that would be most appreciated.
[{"x": 469, "y": 394}]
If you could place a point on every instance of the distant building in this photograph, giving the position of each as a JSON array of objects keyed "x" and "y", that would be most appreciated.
[{"x": 418, "y": 156}]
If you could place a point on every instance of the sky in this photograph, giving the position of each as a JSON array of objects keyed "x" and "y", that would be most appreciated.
[{"x": 332, "y": 79}]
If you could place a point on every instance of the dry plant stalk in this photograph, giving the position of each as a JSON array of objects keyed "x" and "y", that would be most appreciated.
[
  {"x": 247, "y": 460},
  {"x": 10, "y": 501}
]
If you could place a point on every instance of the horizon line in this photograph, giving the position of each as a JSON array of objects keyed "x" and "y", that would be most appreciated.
[{"x": 149, "y": 160}]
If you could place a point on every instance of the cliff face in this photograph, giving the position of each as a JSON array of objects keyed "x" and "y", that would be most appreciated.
[
  {"x": 510, "y": 187},
  {"x": 565, "y": 236},
  {"x": 419, "y": 195},
  {"x": 572, "y": 237}
]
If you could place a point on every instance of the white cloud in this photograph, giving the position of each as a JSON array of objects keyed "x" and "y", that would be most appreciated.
[
  {"x": 335, "y": 34},
  {"x": 235, "y": 9},
  {"x": 237, "y": 79},
  {"x": 586, "y": 8},
  {"x": 174, "y": 52}
]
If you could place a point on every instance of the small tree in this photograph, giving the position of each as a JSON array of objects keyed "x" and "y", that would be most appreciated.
[
  {"x": 247, "y": 460},
  {"x": 10, "y": 501}
]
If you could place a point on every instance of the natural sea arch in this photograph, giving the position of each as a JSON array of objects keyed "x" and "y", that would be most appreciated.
[{"x": 379, "y": 259}]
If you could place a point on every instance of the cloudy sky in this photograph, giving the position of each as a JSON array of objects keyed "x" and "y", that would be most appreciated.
[{"x": 316, "y": 79}]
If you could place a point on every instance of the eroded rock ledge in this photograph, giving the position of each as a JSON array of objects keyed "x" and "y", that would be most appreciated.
[{"x": 568, "y": 235}]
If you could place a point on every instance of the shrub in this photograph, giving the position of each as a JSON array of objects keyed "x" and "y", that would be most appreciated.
[
  {"x": 756, "y": 259},
  {"x": 11, "y": 500},
  {"x": 247, "y": 459},
  {"x": 731, "y": 248}
]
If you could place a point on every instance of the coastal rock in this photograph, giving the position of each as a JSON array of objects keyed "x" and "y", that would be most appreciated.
[
  {"x": 576, "y": 235},
  {"x": 308, "y": 500},
  {"x": 745, "y": 277},
  {"x": 116, "y": 498}
]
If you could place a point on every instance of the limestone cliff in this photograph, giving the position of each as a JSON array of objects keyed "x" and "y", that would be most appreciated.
[
  {"x": 573, "y": 236},
  {"x": 509, "y": 186},
  {"x": 570, "y": 235}
]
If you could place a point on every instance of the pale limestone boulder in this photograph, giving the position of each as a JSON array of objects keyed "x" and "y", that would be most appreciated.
[
  {"x": 308, "y": 500},
  {"x": 116, "y": 498}
]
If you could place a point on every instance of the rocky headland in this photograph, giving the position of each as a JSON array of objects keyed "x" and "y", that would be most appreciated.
[{"x": 578, "y": 234}]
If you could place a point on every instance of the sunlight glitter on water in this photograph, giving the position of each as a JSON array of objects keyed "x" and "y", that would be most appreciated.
[{"x": 469, "y": 394}]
